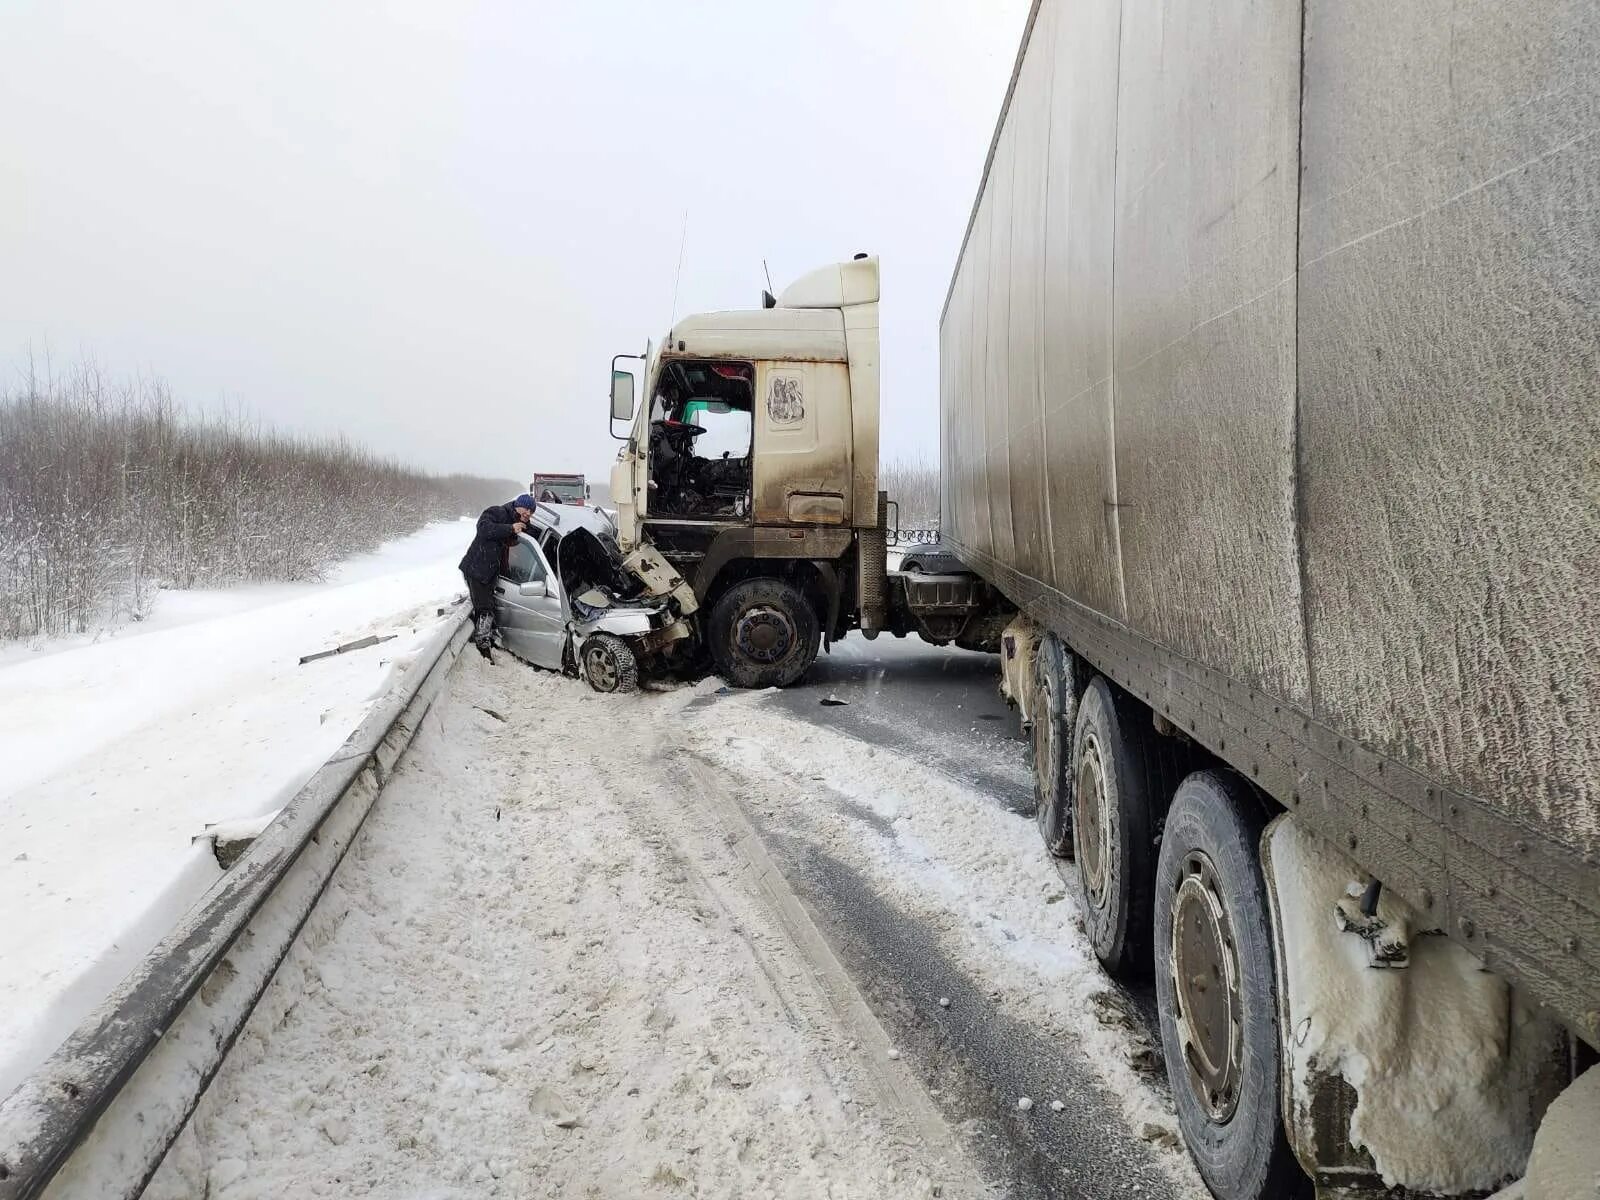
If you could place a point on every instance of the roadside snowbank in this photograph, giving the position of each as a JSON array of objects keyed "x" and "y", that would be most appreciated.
[
  {"x": 534, "y": 975},
  {"x": 117, "y": 753}
]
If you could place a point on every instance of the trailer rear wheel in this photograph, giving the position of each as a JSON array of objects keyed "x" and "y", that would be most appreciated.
[
  {"x": 763, "y": 633},
  {"x": 1057, "y": 711},
  {"x": 1216, "y": 990},
  {"x": 1122, "y": 777}
]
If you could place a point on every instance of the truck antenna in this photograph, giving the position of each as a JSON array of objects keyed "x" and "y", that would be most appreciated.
[
  {"x": 767, "y": 272},
  {"x": 682, "y": 241}
]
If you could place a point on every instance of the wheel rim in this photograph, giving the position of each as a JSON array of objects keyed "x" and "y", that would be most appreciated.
[
  {"x": 1047, "y": 745},
  {"x": 602, "y": 667},
  {"x": 1205, "y": 989},
  {"x": 764, "y": 634},
  {"x": 1091, "y": 827}
]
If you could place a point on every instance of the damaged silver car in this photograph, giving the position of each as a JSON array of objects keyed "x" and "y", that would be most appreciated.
[{"x": 567, "y": 600}]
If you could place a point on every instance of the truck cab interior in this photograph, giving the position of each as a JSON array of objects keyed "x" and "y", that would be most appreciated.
[{"x": 701, "y": 425}]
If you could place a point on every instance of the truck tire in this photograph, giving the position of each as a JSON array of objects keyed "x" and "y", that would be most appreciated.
[
  {"x": 1122, "y": 777},
  {"x": 763, "y": 633},
  {"x": 1216, "y": 990},
  {"x": 609, "y": 663},
  {"x": 1055, "y": 716}
]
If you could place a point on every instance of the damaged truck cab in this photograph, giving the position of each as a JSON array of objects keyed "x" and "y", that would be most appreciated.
[{"x": 749, "y": 481}]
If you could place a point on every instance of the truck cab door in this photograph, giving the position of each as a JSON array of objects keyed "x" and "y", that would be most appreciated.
[
  {"x": 803, "y": 444},
  {"x": 528, "y": 606}
]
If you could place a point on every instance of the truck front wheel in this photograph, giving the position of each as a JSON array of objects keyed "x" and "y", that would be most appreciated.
[
  {"x": 763, "y": 633},
  {"x": 1216, "y": 991}
]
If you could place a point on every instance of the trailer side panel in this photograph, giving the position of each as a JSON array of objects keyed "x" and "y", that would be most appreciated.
[{"x": 1297, "y": 437}]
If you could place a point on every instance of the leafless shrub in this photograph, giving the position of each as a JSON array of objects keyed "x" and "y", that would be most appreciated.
[
  {"x": 913, "y": 484},
  {"x": 109, "y": 490}
]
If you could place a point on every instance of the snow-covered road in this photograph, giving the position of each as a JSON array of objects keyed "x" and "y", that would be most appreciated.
[
  {"x": 692, "y": 943},
  {"x": 545, "y": 970},
  {"x": 116, "y": 753}
]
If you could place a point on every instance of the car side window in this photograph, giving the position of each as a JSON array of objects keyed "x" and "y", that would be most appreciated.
[{"x": 523, "y": 564}]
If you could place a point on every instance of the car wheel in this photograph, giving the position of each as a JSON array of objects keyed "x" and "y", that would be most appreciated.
[
  {"x": 1055, "y": 714},
  {"x": 1216, "y": 991},
  {"x": 609, "y": 663},
  {"x": 763, "y": 633},
  {"x": 1123, "y": 775}
]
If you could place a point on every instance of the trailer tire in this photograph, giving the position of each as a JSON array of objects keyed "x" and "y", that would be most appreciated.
[
  {"x": 1122, "y": 778},
  {"x": 763, "y": 633},
  {"x": 609, "y": 664},
  {"x": 1051, "y": 744},
  {"x": 1216, "y": 991}
]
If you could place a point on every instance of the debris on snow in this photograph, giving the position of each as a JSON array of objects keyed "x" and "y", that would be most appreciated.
[
  {"x": 944, "y": 1001},
  {"x": 1159, "y": 1135},
  {"x": 372, "y": 639},
  {"x": 832, "y": 701},
  {"x": 1025, "y": 1103},
  {"x": 336, "y": 1129},
  {"x": 550, "y": 1104},
  {"x": 893, "y": 1053},
  {"x": 230, "y": 839},
  {"x": 1057, "y": 1106}
]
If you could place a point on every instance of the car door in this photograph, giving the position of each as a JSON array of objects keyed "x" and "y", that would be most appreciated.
[{"x": 528, "y": 605}]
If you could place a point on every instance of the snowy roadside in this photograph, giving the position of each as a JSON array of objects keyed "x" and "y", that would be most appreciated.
[
  {"x": 119, "y": 752},
  {"x": 545, "y": 970}
]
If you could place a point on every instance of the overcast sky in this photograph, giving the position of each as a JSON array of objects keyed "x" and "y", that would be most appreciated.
[{"x": 430, "y": 225}]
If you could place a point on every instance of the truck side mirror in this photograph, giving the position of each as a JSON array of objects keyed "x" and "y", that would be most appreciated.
[{"x": 621, "y": 395}]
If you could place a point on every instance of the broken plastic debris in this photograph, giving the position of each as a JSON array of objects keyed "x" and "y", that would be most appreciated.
[
  {"x": 345, "y": 648},
  {"x": 832, "y": 701},
  {"x": 944, "y": 1001},
  {"x": 1057, "y": 1106},
  {"x": 893, "y": 1053},
  {"x": 1024, "y": 1103}
]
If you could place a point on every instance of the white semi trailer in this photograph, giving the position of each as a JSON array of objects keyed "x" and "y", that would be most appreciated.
[{"x": 1269, "y": 394}]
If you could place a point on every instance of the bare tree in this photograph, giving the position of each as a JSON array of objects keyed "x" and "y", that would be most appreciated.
[{"x": 913, "y": 484}]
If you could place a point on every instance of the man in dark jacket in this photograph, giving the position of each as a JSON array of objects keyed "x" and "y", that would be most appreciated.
[{"x": 498, "y": 526}]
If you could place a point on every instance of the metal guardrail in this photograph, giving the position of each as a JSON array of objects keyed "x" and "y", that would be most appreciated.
[{"x": 98, "y": 1117}]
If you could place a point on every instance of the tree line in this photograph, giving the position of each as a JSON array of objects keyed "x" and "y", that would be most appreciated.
[{"x": 110, "y": 490}]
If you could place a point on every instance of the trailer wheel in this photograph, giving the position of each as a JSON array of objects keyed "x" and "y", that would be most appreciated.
[
  {"x": 1122, "y": 777},
  {"x": 609, "y": 664},
  {"x": 763, "y": 633},
  {"x": 1216, "y": 990},
  {"x": 1053, "y": 723}
]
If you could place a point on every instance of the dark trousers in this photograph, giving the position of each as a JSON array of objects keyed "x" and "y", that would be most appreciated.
[{"x": 482, "y": 595}]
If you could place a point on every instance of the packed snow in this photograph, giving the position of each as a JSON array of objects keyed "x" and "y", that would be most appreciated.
[
  {"x": 119, "y": 751},
  {"x": 542, "y": 972}
]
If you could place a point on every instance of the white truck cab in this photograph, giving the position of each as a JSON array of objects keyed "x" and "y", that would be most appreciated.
[{"x": 751, "y": 470}]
